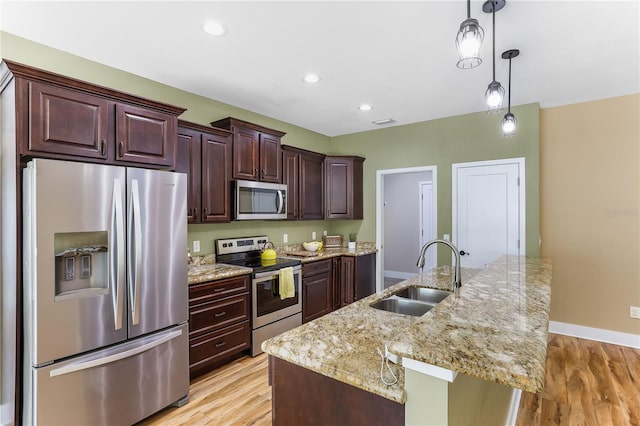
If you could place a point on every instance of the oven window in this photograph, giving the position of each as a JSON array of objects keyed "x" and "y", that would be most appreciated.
[{"x": 268, "y": 295}]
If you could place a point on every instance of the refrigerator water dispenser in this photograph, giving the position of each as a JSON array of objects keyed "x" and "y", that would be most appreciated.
[{"x": 80, "y": 264}]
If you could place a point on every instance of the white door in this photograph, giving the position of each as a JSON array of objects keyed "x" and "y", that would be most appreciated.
[
  {"x": 427, "y": 229},
  {"x": 488, "y": 210}
]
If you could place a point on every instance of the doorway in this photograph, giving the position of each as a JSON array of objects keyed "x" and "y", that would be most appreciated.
[
  {"x": 400, "y": 215},
  {"x": 488, "y": 210}
]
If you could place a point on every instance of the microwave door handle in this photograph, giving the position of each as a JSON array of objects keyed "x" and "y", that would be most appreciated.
[
  {"x": 134, "y": 252},
  {"x": 280, "y": 202},
  {"x": 116, "y": 254}
]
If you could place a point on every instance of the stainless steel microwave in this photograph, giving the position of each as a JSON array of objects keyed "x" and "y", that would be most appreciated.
[{"x": 259, "y": 200}]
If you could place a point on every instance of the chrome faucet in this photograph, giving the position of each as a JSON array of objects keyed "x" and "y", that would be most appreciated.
[{"x": 457, "y": 276}]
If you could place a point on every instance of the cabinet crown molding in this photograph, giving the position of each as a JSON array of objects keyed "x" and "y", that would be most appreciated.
[{"x": 43, "y": 76}]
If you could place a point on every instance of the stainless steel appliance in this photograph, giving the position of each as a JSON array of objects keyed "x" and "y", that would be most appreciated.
[
  {"x": 271, "y": 314},
  {"x": 105, "y": 304},
  {"x": 259, "y": 200}
]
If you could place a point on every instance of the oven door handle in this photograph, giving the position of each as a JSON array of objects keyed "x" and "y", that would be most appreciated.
[{"x": 274, "y": 274}]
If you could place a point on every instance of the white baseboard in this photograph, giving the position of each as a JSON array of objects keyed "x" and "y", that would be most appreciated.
[
  {"x": 399, "y": 274},
  {"x": 597, "y": 334},
  {"x": 512, "y": 416}
]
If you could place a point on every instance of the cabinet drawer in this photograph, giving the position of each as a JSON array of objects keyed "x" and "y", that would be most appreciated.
[
  {"x": 318, "y": 267},
  {"x": 199, "y": 293},
  {"x": 212, "y": 347},
  {"x": 220, "y": 313}
]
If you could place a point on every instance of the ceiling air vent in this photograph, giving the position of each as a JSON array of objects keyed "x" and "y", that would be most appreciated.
[{"x": 384, "y": 121}]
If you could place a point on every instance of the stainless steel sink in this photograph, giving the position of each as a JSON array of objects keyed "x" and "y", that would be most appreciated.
[
  {"x": 423, "y": 294},
  {"x": 415, "y": 301},
  {"x": 402, "y": 306}
]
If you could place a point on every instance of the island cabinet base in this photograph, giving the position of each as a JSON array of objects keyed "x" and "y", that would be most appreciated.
[{"x": 304, "y": 397}]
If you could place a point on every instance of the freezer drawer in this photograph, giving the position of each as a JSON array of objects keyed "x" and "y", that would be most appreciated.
[{"x": 116, "y": 386}]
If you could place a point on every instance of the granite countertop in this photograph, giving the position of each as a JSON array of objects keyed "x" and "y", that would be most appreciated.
[
  {"x": 362, "y": 249},
  {"x": 494, "y": 328},
  {"x": 204, "y": 269}
]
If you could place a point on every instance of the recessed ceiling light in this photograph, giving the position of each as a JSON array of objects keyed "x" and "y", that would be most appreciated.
[
  {"x": 384, "y": 121},
  {"x": 311, "y": 78},
  {"x": 214, "y": 28},
  {"x": 365, "y": 107}
]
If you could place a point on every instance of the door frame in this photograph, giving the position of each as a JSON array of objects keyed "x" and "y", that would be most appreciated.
[
  {"x": 434, "y": 232},
  {"x": 380, "y": 174},
  {"x": 520, "y": 161}
]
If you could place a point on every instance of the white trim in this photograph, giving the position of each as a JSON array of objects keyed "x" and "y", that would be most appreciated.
[
  {"x": 432, "y": 233},
  {"x": 520, "y": 161},
  {"x": 597, "y": 334},
  {"x": 380, "y": 212},
  {"x": 399, "y": 274},
  {"x": 512, "y": 416},
  {"x": 429, "y": 369}
]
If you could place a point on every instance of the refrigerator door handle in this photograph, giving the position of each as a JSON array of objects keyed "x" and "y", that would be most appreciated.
[
  {"x": 85, "y": 365},
  {"x": 116, "y": 254},
  {"x": 134, "y": 252}
]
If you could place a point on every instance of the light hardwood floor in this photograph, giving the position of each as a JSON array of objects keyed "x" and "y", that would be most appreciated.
[{"x": 587, "y": 383}]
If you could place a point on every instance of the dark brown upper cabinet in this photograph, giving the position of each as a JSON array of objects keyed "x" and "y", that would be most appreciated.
[
  {"x": 70, "y": 119},
  {"x": 204, "y": 153},
  {"x": 343, "y": 187},
  {"x": 256, "y": 150},
  {"x": 303, "y": 173}
]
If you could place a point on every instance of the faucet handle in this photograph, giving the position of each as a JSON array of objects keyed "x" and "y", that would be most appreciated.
[{"x": 464, "y": 253}]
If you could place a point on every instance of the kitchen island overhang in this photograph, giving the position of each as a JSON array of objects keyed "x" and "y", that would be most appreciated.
[{"x": 494, "y": 329}]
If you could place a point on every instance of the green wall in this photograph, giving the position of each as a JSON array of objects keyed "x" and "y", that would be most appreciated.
[
  {"x": 440, "y": 142},
  {"x": 471, "y": 137}
]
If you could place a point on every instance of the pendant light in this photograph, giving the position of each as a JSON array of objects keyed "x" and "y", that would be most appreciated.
[
  {"x": 468, "y": 41},
  {"x": 494, "y": 95},
  {"x": 509, "y": 122}
]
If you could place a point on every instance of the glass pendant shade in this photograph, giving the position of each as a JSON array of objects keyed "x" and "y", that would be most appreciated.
[
  {"x": 494, "y": 96},
  {"x": 509, "y": 124},
  {"x": 468, "y": 42}
]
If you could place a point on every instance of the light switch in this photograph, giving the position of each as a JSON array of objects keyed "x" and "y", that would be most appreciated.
[{"x": 196, "y": 246}]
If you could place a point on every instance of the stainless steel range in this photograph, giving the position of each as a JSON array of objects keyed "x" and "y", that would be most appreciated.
[{"x": 271, "y": 314}]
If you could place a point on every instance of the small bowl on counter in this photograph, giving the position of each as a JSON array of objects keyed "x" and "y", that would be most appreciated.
[{"x": 312, "y": 246}]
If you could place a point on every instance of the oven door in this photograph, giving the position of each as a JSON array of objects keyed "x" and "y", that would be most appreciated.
[{"x": 267, "y": 305}]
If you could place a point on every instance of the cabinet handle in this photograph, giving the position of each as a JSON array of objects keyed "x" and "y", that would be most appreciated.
[
  {"x": 219, "y": 314},
  {"x": 121, "y": 149},
  {"x": 221, "y": 344},
  {"x": 204, "y": 213},
  {"x": 263, "y": 173},
  {"x": 103, "y": 147},
  {"x": 219, "y": 289},
  {"x": 255, "y": 172}
]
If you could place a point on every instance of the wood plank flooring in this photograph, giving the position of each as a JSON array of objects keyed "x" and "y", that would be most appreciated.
[
  {"x": 587, "y": 383},
  {"x": 234, "y": 394}
]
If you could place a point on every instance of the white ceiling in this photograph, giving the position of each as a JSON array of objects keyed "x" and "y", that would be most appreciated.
[{"x": 397, "y": 56}]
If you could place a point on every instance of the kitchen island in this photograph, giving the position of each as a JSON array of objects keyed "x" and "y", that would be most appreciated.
[{"x": 493, "y": 330}]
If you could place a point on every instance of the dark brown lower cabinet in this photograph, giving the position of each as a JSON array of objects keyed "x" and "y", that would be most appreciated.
[
  {"x": 357, "y": 277},
  {"x": 219, "y": 328},
  {"x": 330, "y": 402},
  {"x": 317, "y": 292},
  {"x": 333, "y": 283}
]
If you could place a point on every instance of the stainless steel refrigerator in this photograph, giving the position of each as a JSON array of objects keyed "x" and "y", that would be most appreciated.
[{"x": 105, "y": 293}]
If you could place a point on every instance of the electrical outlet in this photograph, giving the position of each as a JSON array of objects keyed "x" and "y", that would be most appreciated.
[
  {"x": 285, "y": 238},
  {"x": 324, "y": 233},
  {"x": 196, "y": 246},
  {"x": 446, "y": 237},
  {"x": 313, "y": 235},
  {"x": 634, "y": 312}
]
